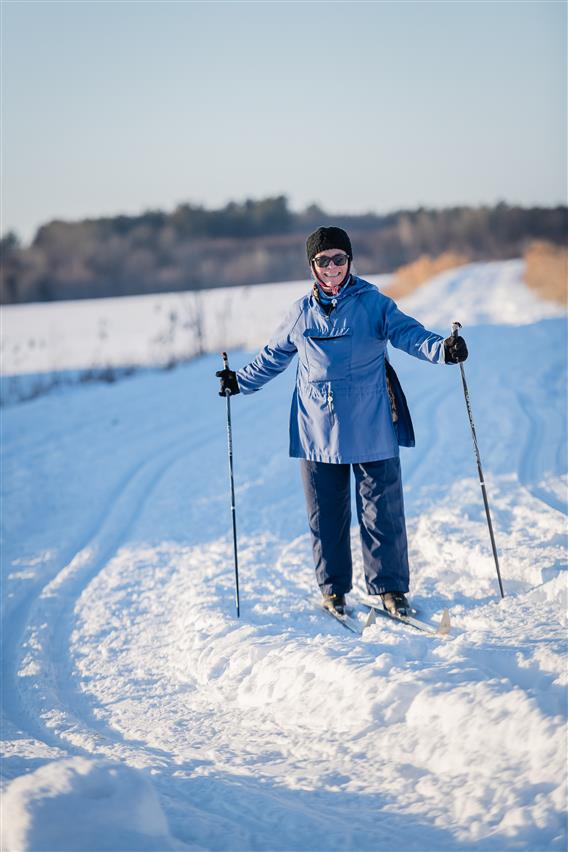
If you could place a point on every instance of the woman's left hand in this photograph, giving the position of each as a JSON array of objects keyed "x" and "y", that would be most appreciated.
[{"x": 228, "y": 382}]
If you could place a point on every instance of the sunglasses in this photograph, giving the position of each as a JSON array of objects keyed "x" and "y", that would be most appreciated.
[{"x": 337, "y": 260}]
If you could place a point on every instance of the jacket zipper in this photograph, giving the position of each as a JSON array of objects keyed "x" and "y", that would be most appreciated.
[
  {"x": 330, "y": 401},
  {"x": 334, "y": 303}
]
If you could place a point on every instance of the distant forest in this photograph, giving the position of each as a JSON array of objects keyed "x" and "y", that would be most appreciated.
[{"x": 249, "y": 243}]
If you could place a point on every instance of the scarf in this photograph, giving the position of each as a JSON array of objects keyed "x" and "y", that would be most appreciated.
[{"x": 327, "y": 299}]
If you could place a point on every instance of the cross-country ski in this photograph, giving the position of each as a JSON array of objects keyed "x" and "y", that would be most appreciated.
[
  {"x": 347, "y": 620},
  {"x": 443, "y": 628}
]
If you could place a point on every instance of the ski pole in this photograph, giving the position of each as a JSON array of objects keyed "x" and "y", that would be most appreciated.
[
  {"x": 233, "y": 509},
  {"x": 455, "y": 330}
]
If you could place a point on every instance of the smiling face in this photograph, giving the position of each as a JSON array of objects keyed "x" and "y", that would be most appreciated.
[{"x": 332, "y": 277}]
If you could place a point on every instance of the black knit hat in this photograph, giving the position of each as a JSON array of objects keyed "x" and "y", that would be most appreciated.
[{"x": 328, "y": 238}]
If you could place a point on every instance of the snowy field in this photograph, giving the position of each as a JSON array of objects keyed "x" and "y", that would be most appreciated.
[
  {"x": 52, "y": 344},
  {"x": 139, "y": 714}
]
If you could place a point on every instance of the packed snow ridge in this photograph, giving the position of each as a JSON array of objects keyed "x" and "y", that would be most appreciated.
[{"x": 139, "y": 713}]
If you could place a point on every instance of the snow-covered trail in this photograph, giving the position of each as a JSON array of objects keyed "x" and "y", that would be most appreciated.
[{"x": 283, "y": 731}]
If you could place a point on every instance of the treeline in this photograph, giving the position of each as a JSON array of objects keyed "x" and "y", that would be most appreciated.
[{"x": 249, "y": 243}]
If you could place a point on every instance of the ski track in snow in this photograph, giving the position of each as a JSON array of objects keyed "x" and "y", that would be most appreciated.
[
  {"x": 534, "y": 445},
  {"x": 283, "y": 731}
]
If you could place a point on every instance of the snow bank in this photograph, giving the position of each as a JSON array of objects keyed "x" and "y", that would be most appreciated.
[
  {"x": 149, "y": 330},
  {"x": 480, "y": 294},
  {"x": 81, "y": 804}
]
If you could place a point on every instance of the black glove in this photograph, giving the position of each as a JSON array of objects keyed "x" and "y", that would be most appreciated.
[
  {"x": 455, "y": 350},
  {"x": 228, "y": 382}
]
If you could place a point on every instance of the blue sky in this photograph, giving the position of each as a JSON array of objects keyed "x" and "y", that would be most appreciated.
[{"x": 113, "y": 107}]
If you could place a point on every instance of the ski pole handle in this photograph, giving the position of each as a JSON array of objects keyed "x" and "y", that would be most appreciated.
[
  {"x": 225, "y": 358},
  {"x": 456, "y": 328}
]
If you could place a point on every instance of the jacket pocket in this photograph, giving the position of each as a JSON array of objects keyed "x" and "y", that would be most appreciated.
[{"x": 328, "y": 356}]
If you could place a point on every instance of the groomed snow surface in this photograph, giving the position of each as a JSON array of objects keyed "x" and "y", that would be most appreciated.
[{"x": 139, "y": 713}]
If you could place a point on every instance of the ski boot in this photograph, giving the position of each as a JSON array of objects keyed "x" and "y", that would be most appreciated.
[
  {"x": 335, "y": 603},
  {"x": 396, "y": 603}
]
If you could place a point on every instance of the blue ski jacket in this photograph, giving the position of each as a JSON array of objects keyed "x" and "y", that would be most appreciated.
[{"x": 341, "y": 411}]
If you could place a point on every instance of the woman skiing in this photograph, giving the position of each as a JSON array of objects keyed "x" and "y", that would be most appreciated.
[{"x": 348, "y": 412}]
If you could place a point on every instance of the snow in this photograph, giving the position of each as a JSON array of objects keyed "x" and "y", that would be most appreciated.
[
  {"x": 136, "y": 701},
  {"x": 481, "y": 294},
  {"x": 82, "y": 804},
  {"x": 140, "y": 330}
]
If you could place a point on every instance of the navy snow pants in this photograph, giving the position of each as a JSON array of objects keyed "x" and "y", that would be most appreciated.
[{"x": 380, "y": 511}]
